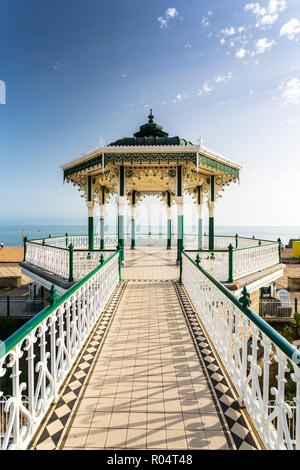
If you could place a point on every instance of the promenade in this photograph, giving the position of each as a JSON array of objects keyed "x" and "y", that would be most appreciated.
[{"x": 141, "y": 382}]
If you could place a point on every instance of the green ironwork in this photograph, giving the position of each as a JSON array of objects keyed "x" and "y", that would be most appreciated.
[
  {"x": 102, "y": 245},
  {"x": 200, "y": 234},
  {"x": 22, "y": 332},
  {"x": 236, "y": 240},
  {"x": 132, "y": 234},
  {"x": 91, "y": 233},
  {"x": 211, "y": 234},
  {"x": 53, "y": 297},
  {"x": 230, "y": 263},
  {"x": 198, "y": 259},
  {"x": 71, "y": 275},
  {"x": 24, "y": 241},
  {"x": 67, "y": 240},
  {"x": 285, "y": 346},
  {"x": 245, "y": 299},
  {"x": 279, "y": 249},
  {"x": 101, "y": 260}
]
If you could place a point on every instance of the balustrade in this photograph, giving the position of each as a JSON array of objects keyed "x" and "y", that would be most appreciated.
[
  {"x": 37, "y": 358},
  {"x": 262, "y": 365}
]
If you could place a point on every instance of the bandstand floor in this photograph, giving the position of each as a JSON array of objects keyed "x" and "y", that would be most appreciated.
[{"x": 147, "y": 377}]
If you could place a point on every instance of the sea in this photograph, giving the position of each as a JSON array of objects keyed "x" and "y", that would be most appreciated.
[{"x": 11, "y": 234}]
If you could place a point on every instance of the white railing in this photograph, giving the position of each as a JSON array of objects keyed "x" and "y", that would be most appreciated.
[
  {"x": 85, "y": 261},
  {"x": 37, "y": 358},
  {"x": 269, "y": 372},
  {"x": 250, "y": 260},
  {"x": 50, "y": 258},
  {"x": 216, "y": 263}
]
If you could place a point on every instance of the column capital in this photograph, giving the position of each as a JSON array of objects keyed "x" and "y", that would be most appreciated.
[
  {"x": 180, "y": 204},
  {"x": 90, "y": 206},
  {"x": 121, "y": 205},
  {"x": 133, "y": 210},
  {"x": 211, "y": 208},
  {"x": 102, "y": 208},
  {"x": 200, "y": 210}
]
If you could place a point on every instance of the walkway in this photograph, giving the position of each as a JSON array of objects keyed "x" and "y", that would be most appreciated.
[{"x": 140, "y": 383}]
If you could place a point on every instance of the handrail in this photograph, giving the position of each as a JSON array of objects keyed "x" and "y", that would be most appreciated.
[
  {"x": 290, "y": 351},
  {"x": 22, "y": 332}
]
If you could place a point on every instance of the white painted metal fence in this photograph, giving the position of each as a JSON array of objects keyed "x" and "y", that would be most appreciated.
[
  {"x": 262, "y": 365},
  {"x": 37, "y": 358}
]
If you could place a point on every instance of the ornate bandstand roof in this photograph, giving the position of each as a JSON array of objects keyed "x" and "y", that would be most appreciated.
[
  {"x": 150, "y": 159},
  {"x": 150, "y": 134}
]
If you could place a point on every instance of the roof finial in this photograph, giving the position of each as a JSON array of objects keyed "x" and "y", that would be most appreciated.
[{"x": 151, "y": 117}]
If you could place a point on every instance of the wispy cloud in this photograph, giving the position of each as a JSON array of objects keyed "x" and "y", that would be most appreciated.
[
  {"x": 170, "y": 14},
  {"x": 291, "y": 29},
  {"x": 290, "y": 91},
  {"x": 58, "y": 66},
  {"x": 262, "y": 45},
  {"x": 240, "y": 53},
  {"x": 266, "y": 16}
]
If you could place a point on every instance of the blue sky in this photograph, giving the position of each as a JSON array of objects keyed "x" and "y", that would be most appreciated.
[{"x": 74, "y": 71}]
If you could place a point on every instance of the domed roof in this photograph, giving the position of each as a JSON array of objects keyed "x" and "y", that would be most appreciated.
[{"x": 150, "y": 134}]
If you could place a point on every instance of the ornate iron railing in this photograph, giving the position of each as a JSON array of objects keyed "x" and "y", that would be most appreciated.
[
  {"x": 37, "y": 358},
  {"x": 262, "y": 365}
]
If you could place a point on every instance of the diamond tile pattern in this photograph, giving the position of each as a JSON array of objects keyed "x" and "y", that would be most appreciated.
[
  {"x": 56, "y": 421},
  {"x": 243, "y": 436},
  {"x": 156, "y": 383}
]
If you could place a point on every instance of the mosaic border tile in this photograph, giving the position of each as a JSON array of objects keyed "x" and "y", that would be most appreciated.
[
  {"x": 242, "y": 435},
  {"x": 51, "y": 431}
]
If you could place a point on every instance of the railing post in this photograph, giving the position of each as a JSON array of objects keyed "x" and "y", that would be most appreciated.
[
  {"x": 24, "y": 241},
  {"x": 71, "y": 277},
  {"x": 120, "y": 262},
  {"x": 230, "y": 263},
  {"x": 197, "y": 260},
  {"x": 180, "y": 263},
  {"x": 53, "y": 297},
  {"x": 279, "y": 249},
  {"x": 236, "y": 240},
  {"x": 67, "y": 240},
  {"x": 101, "y": 260}
]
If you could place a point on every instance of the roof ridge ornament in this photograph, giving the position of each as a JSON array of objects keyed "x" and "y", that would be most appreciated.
[{"x": 151, "y": 117}]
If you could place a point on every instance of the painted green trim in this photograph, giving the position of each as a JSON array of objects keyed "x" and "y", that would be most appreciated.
[
  {"x": 133, "y": 197},
  {"x": 169, "y": 234},
  {"x": 122, "y": 180},
  {"x": 212, "y": 188},
  {"x": 146, "y": 158},
  {"x": 132, "y": 234},
  {"x": 179, "y": 237},
  {"x": 198, "y": 194},
  {"x": 230, "y": 263},
  {"x": 179, "y": 180},
  {"x": 89, "y": 188},
  {"x": 200, "y": 234},
  {"x": 121, "y": 235},
  {"x": 25, "y": 242},
  {"x": 211, "y": 233},
  {"x": 71, "y": 276},
  {"x": 284, "y": 345},
  {"x": 22, "y": 332},
  {"x": 101, "y": 233},
  {"x": 91, "y": 233}
]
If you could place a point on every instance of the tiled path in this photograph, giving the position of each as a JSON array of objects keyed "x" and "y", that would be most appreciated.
[{"x": 148, "y": 388}]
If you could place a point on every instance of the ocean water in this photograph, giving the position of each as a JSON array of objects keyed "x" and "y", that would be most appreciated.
[{"x": 11, "y": 235}]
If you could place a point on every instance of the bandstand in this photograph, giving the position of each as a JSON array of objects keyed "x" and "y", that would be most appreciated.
[
  {"x": 150, "y": 348},
  {"x": 153, "y": 163}
]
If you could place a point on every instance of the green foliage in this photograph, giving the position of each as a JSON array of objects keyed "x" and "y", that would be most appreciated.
[{"x": 288, "y": 331}]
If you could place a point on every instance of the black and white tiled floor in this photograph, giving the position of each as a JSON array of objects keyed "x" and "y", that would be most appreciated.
[
  {"x": 52, "y": 428},
  {"x": 242, "y": 435}
]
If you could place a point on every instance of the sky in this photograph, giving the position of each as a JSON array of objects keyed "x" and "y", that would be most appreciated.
[{"x": 73, "y": 71}]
